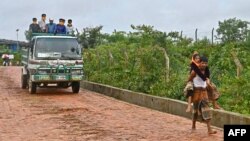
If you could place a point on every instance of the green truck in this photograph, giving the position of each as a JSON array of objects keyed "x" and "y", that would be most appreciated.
[{"x": 52, "y": 61}]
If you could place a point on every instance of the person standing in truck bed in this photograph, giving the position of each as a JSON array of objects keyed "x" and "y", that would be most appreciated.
[
  {"x": 60, "y": 28},
  {"x": 42, "y": 23},
  {"x": 34, "y": 27},
  {"x": 70, "y": 28},
  {"x": 51, "y": 26}
]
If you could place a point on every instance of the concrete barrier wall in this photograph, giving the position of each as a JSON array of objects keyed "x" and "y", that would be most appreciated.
[{"x": 172, "y": 106}]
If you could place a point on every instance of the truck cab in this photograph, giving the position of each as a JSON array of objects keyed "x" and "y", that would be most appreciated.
[{"x": 52, "y": 61}]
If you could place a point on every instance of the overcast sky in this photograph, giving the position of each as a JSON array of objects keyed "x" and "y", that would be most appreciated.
[{"x": 164, "y": 15}]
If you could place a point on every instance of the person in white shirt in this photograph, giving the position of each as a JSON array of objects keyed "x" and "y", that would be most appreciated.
[
  {"x": 200, "y": 97},
  {"x": 70, "y": 28},
  {"x": 42, "y": 23}
]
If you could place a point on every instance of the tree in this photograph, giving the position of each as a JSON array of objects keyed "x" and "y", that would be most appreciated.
[
  {"x": 232, "y": 30},
  {"x": 116, "y": 36},
  {"x": 90, "y": 37},
  {"x": 4, "y": 49},
  {"x": 174, "y": 35},
  {"x": 28, "y": 35},
  {"x": 149, "y": 36}
]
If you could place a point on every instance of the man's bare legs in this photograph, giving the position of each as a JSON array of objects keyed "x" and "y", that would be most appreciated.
[
  {"x": 209, "y": 129},
  {"x": 195, "y": 116}
]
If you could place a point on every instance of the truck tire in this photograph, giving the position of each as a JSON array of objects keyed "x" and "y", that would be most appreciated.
[
  {"x": 75, "y": 87},
  {"x": 32, "y": 87},
  {"x": 24, "y": 81}
]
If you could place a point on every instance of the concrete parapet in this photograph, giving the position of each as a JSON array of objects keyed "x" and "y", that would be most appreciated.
[{"x": 172, "y": 106}]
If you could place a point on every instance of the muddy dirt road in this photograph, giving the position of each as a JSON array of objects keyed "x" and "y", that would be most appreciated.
[{"x": 59, "y": 115}]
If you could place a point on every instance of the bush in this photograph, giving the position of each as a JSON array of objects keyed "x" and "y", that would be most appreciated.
[{"x": 141, "y": 67}]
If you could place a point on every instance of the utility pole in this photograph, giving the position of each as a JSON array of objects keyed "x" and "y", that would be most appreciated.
[
  {"x": 196, "y": 34},
  {"x": 212, "y": 36},
  {"x": 247, "y": 35},
  {"x": 17, "y": 45}
]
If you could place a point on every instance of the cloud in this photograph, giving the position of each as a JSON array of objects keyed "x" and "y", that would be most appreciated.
[{"x": 170, "y": 15}]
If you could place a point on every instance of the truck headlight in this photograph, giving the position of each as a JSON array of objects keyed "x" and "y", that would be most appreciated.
[
  {"x": 54, "y": 71},
  {"x": 67, "y": 71}
]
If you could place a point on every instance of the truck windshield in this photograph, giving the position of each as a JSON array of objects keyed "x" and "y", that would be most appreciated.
[{"x": 57, "y": 48}]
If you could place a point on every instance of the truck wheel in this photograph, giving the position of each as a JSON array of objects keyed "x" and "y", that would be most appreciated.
[
  {"x": 24, "y": 80},
  {"x": 75, "y": 87},
  {"x": 32, "y": 87}
]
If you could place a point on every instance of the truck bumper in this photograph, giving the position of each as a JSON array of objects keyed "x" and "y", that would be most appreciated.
[{"x": 56, "y": 78}]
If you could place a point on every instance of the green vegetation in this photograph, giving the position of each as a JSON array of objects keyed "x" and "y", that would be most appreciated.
[
  {"x": 232, "y": 30},
  {"x": 5, "y": 50},
  {"x": 139, "y": 61}
]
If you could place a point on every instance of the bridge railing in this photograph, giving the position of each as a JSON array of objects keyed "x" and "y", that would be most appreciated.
[{"x": 168, "y": 105}]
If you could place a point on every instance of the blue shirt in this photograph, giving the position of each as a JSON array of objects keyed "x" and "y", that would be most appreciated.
[
  {"x": 60, "y": 29},
  {"x": 51, "y": 27}
]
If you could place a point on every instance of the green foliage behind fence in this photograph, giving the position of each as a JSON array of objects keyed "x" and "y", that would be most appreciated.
[
  {"x": 136, "y": 61},
  {"x": 143, "y": 69}
]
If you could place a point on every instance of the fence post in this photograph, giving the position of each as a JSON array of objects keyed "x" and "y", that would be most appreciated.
[
  {"x": 98, "y": 58},
  {"x": 166, "y": 62},
  {"x": 212, "y": 36},
  {"x": 126, "y": 58},
  {"x": 237, "y": 63},
  {"x": 111, "y": 58},
  {"x": 196, "y": 38}
]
